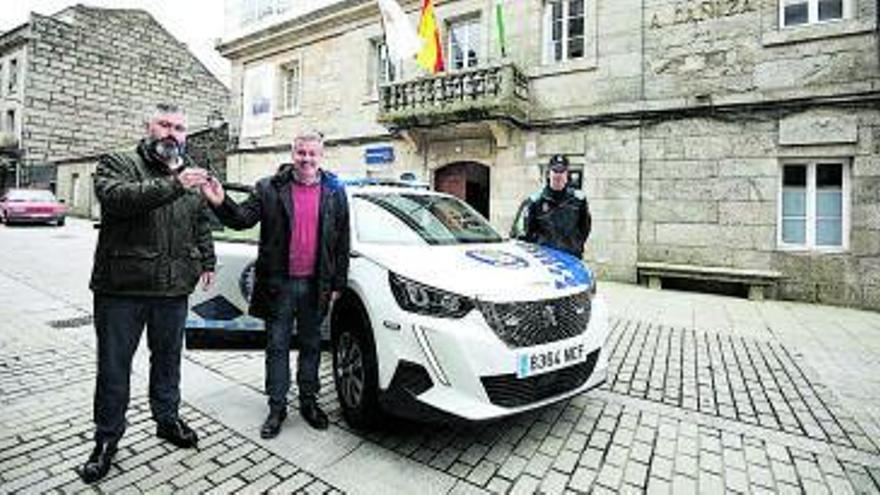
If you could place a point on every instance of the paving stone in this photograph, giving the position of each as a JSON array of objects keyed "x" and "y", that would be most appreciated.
[
  {"x": 525, "y": 485},
  {"x": 710, "y": 482},
  {"x": 482, "y": 473},
  {"x": 635, "y": 473},
  {"x": 297, "y": 482},
  {"x": 566, "y": 461},
  {"x": 126, "y": 478},
  {"x": 591, "y": 458},
  {"x": 839, "y": 486},
  {"x": 734, "y": 458},
  {"x": 610, "y": 476},
  {"x": 711, "y": 462},
  {"x": 617, "y": 455},
  {"x": 683, "y": 485},
  {"x": 512, "y": 467},
  {"x": 807, "y": 469},
  {"x": 582, "y": 479},
  {"x": 258, "y": 470},
  {"x": 229, "y": 486},
  {"x": 554, "y": 483},
  {"x": 641, "y": 452},
  {"x": 161, "y": 476},
  {"x": 783, "y": 472},
  {"x": 459, "y": 469},
  {"x": 760, "y": 476},
  {"x": 686, "y": 464},
  {"x": 736, "y": 480},
  {"x": 658, "y": 486},
  {"x": 498, "y": 485}
]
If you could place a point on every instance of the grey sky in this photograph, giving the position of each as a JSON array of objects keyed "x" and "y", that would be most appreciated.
[{"x": 198, "y": 23}]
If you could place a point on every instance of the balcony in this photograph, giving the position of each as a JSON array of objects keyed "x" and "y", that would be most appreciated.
[
  {"x": 8, "y": 142},
  {"x": 498, "y": 92}
]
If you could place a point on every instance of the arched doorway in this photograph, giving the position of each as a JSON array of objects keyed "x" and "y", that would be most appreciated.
[{"x": 469, "y": 181}]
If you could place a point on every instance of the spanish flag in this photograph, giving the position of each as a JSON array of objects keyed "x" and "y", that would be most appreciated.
[{"x": 431, "y": 55}]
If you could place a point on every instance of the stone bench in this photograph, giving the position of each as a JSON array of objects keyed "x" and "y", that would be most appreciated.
[{"x": 756, "y": 280}]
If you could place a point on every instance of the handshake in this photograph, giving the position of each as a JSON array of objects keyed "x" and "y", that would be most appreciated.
[{"x": 199, "y": 178}]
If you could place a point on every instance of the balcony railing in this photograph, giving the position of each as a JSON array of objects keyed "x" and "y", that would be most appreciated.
[
  {"x": 8, "y": 141},
  {"x": 493, "y": 92}
]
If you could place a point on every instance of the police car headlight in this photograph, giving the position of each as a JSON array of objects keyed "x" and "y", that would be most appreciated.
[{"x": 419, "y": 298}]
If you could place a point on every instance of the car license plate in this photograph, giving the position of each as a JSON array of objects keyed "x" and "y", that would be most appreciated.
[{"x": 549, "y": 359}]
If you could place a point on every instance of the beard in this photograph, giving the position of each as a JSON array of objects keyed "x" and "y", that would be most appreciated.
[{"x": 166, "y": 150}]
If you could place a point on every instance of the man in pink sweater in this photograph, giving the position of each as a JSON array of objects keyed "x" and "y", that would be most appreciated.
[{"x": 301, "y": 267}]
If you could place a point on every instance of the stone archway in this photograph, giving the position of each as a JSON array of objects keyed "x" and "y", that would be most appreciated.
[{"x": 469, "y": 181}]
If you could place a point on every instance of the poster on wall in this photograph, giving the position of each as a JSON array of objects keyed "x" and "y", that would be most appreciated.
[{"x": 257, "y": 101}]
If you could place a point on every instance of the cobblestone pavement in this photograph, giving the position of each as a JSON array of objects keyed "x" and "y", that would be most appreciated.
[
  {"x": 682, "y": 411},
  {"x": 46, "y": 384},
  {"x": 705, "y": 394}
]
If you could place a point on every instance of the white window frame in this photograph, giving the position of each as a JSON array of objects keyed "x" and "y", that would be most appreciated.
[
  {"x": 467, "y": 19},
  {"x": 846, "y": 220},
  {"x": 547, "y": 32},
  {"x": 379, "y": 71},
  {"x": 813, "y": 13},
  {"x": 284, "y": 103}
]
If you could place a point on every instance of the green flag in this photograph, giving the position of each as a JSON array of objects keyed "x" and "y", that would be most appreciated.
[{"x": 499, "y": 20}]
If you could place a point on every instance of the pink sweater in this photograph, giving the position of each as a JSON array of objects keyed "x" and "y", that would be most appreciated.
[{"x": 304, "y": 229}]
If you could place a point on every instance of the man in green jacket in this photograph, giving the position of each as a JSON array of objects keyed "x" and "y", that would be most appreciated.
[{"x": 153, "y": 248}]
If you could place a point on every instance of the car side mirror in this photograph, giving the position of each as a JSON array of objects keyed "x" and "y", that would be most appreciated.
[
  {"x": 518, "y": 227},
  {"x": 62, "y": 200}
]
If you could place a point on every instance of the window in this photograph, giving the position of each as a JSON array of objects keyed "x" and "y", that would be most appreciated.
[
  {"x": 10, "y": 121},
  {"x": 291, "y": 86},
  {"x": 12, "y": 84},
  {"x": 382, "y": 69},
  {"x": 799, "y": 12},
  {"x": 564, "y": 30},
  {"x": 464, "y": 43},
  {"x": 74, "y": 190},
  {"x": 814, "y": 211}
]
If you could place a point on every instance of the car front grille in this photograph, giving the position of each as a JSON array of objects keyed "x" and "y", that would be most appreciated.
[
  {"x": 524, "y": 324},
  {"x": 510, "y": 391}
]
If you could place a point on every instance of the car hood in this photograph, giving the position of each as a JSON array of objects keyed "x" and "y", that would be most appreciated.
[{"x": 507, "y": 271}]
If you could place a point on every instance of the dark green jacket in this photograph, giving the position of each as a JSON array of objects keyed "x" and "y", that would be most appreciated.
[
  {"x": 560, "y": 220},
  {"x": 270, "y": 205},
  {"x": 155, "y": 236}
]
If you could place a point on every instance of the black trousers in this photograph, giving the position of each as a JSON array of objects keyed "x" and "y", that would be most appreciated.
[
  {"x": 298, "y": 301},
  {"x": 119, "y": 323}
]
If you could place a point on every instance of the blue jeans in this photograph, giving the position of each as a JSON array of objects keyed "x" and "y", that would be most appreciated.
[
  {"x": 298, "y": 301},
  {"x": 119, "y": 324}
]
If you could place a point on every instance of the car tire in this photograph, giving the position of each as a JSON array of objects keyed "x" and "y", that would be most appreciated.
[
  {"x": 60, "y": 222},
  {"x": 355, "y": 369}
]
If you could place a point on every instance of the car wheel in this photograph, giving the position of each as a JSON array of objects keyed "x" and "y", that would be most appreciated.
[
  {"x": 355, "y": 371},
  {"x": 60, "y": 222}
]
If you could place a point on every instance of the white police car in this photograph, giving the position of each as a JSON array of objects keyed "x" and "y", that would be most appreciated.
[{"x": 442, "y": 316}]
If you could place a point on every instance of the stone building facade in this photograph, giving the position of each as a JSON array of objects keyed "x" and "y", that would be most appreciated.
[
  {"x": 732, "y": 134},
  {"x": 86, "y": 76}
]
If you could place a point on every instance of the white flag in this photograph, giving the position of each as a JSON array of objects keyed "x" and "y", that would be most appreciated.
[{"x": 400, "y": 36}]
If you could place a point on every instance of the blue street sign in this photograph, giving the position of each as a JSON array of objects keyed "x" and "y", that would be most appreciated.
[{"x": 376, "y": 155}]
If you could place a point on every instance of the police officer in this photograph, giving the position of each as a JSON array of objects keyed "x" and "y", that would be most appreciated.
[{"x": 558, "y": 216}]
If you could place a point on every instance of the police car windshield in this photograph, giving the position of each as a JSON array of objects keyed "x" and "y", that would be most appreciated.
[{"x": 400, "y": 218}]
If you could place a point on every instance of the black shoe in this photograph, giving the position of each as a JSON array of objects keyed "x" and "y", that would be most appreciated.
[
  {"x": 178, "y": 433},
  {"x": 99, "y": 462},
  {"x": 314, "y": 416},
  {"x": 272, "y": 426}
]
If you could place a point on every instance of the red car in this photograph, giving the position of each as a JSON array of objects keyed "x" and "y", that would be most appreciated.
[{"x": 31, "y": 206}]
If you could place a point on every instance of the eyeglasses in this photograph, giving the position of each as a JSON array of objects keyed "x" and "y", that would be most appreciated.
[{"x": 164, "y": 124}]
